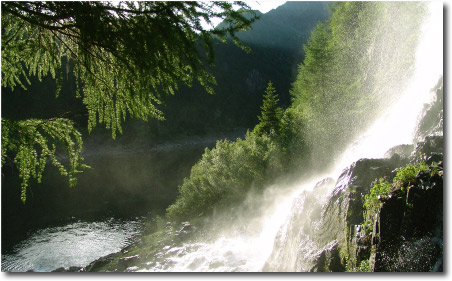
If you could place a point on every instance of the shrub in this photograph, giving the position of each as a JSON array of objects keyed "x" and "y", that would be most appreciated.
[
  {"x": 407, "y": 175},
  {"x": 225, "y": 174},
  {"x": 350, "y": 265},
  {"x": 404, "y": 178}
]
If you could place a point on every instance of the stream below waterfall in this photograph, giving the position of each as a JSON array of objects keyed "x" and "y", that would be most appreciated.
[{"x": 76, "y": 243}]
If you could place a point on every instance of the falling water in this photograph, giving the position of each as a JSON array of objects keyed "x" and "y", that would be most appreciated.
[
  {"x": 397, "y": 125},
  {"x": 241, "y": 248}
]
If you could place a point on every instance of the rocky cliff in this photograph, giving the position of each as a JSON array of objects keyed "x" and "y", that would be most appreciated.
[{"x": 403, "y": 233}]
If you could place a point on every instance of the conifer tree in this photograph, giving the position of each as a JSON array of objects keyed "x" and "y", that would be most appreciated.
[{"x": 269, "y": 120}]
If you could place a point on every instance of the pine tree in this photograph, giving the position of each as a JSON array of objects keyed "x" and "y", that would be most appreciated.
[{"x": 269, "y": 120}]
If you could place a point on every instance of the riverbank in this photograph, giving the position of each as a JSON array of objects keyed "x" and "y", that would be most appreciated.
[{"x": 130, "y": 178}]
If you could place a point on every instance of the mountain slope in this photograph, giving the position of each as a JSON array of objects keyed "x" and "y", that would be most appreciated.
[{"x": 276, "y": 42}]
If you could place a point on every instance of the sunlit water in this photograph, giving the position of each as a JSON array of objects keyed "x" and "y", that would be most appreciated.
[{"x": 74, "y": 244}]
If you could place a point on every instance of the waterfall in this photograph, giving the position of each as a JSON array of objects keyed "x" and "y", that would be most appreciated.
[
  {"x": 293, "y": 249},
  {"x": 398, "y": 123},
  {"x": 246, "y": 245}
]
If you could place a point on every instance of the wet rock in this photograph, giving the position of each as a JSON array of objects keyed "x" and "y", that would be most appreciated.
[
  {"x": 60, "y": 269},
  {"x": 292, "y": 248},
  {"x": 185, "y": 229},
  {"x": 434, "y": 158},
  {"x": 124, "y": 263},
  {"x": 403, "y": 150},
  {"x": 99, "y": 263},
  {"x": 328, "y": 259},
  {"x": 430, "y": 146},
  {"x": 405, "y": 219},
  {"x": 196, "y": 263},
  {"x": 431, "y": 122},
  {"x": 408, "y": 234},
  {"x": 345, "y": 206},
  {"x": 132, "y": 269},
  {"x": 186, "y": 226},
  {"x": 69, "y": 269}
]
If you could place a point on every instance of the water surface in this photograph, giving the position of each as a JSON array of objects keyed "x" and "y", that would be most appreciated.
[{"x": 76, "y": 243}]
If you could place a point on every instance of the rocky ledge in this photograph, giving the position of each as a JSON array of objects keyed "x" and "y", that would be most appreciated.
[{"x": 407, "y": 232}]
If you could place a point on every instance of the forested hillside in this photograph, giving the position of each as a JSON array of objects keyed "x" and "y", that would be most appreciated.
[
  {"x": 340, "y": 87},
  {"x": 351, "y": 71},
  {"x": 276, "y": 48},
  {"x": 275, "y": 52}
]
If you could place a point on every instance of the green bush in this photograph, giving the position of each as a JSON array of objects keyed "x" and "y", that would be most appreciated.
[
  {"x": 225, "y": 174},
  {"x": 372, "y": 200},
  {"x": 404, "y": 178},
  {"x": 350, "y": 265},
  {"x": 407, "y": 175}
]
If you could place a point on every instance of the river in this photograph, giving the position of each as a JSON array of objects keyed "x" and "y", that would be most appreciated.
[
  {"x": 130, "y": 183},
  {"x": 76, "y": 243}
]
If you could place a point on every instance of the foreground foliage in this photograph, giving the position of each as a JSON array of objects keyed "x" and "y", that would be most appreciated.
[
  {"x": 35, "y": 141},
  {"x": 126, "y": 58}
]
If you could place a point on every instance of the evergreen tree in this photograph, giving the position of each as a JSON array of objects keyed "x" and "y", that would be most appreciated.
[
  {"x": 127, "y": 58},
  {"x": 269, "y": 120}
]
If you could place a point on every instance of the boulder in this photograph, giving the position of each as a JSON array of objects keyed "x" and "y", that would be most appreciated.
[
  {"x": 127, "y": 262},
  {"x": 430, "y": 146},
  {"x": 99, "y": 263},
  {"x": 403, "y": 150},
  {"x": 328, "y": 259},
  {"x": 69, "y": 269}
]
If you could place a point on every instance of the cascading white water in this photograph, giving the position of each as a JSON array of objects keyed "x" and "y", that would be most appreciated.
[
  {"x": 397, "y": 125},
  {"x": 238, "y": 250}
]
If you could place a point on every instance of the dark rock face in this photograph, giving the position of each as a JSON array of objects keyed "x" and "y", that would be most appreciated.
[
  {"x": 430, "y": 149},
  {"x": 328, "y": 259},
  {"x": 432, "y": 117},
  {"x": 326, "y": 225},
  {"x": 343, "y": 213},
  {"x": 410, "y": 227},
  {"x": 407, "y": 236}
]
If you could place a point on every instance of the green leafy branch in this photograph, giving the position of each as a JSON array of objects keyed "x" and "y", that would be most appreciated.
[
  {"x": 34, "y": 142},
  {"x": 127, "y": 58}
]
